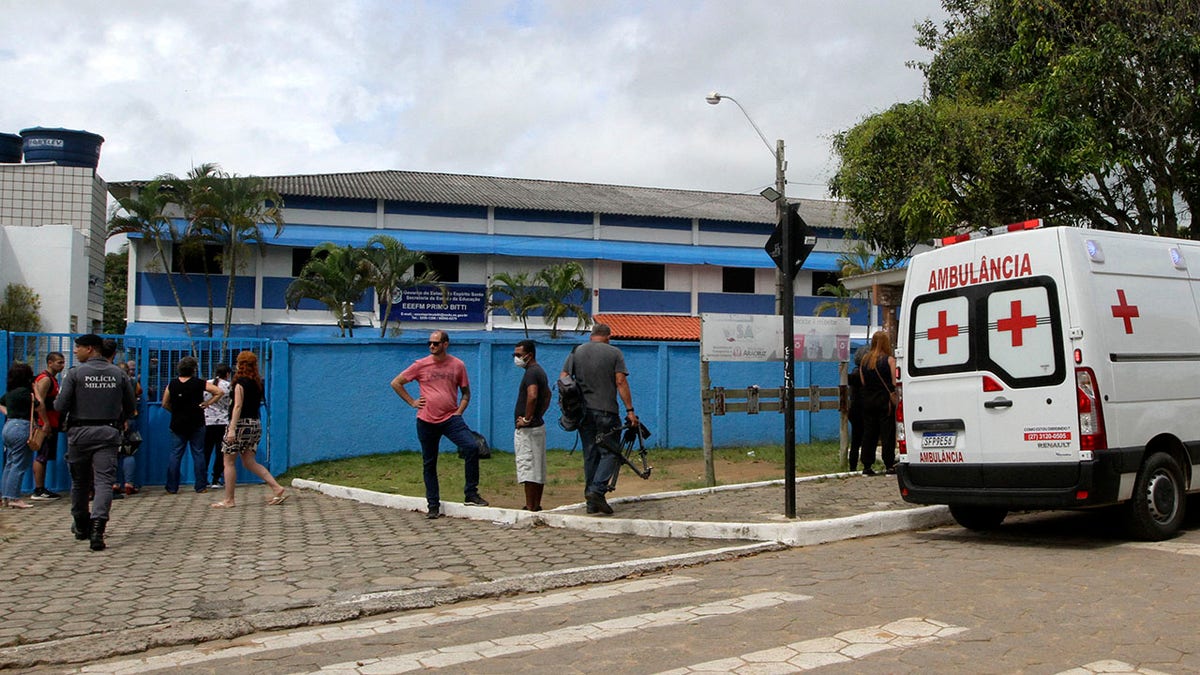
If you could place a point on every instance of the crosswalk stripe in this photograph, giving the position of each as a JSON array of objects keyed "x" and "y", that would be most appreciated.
[
  {"x": 1165, "y": 546},
  {"x": 1110, "y": 667},
  {"x": 363, "y": 629},
  {"x": 601, "y": 630},
  {"x": 844, "y": 647}
]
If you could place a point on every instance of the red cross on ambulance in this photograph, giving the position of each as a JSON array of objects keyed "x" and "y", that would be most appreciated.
[{"x": 1125, "y": 311}]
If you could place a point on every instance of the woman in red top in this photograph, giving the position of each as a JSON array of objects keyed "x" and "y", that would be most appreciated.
[{"x": 245, "y": 431}]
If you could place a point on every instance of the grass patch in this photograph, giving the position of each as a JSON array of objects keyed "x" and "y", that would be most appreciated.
[{"x": 674, "y": 469}]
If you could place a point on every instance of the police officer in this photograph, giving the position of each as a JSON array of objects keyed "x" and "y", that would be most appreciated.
[{"x": 98, "y": 398}]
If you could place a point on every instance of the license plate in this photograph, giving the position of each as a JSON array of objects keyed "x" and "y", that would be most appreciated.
[{"x": 939, "y": 439}]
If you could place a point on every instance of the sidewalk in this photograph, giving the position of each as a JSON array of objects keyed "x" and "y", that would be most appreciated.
[{"x": 177, "y": 571}]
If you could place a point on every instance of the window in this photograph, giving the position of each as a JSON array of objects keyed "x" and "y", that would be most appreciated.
[
  {"x": 300, "y": 258},
  {"x": 1011, "y": 328},
  {"x": 643, "y": 276},
  {"x": 737, "y": 280},
  {"x": 196, "y": 259},
  {"x": 444, "y": 264},
  {"x": 821, "y": 279}
]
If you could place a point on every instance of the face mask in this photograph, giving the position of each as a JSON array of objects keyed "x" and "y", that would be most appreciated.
[{"x": 518, "y": 362}]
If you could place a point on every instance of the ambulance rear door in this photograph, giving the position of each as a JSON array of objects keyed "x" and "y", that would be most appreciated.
[{"x": 987, "y": 393}]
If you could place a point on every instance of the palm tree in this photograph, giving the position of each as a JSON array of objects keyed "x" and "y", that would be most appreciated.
[
  {"x": 839, "y": 301},
  {"x": 520, "y": 296},
  {"x": 189, "y": 194},
  {"x": 144, "y": 213},
  {"x": 392, "y": 270},
  {"x": 230, "y": 210},
  {"x": 336, "y": 276},
  {"x": 563, "y": 291}
]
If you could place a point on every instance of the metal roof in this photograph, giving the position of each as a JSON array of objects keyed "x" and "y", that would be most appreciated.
[{"x": 541, "y": 195}]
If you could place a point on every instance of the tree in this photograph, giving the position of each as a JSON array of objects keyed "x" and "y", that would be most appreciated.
[
  {"x": 116, "y": 284},
  {"x": 337, "y": 277},
  {"x": 563, "y": 292},
  {"x": 20, "y": 311},
  {"x": 516, "y": 294},
  {"x": 392, "y": 269},
  {"x": 1082, "y": 113},
  {"x": 144, "y": 214},
  {"x": 230, "y": 210},
  {"x": 189, "y": 194}
]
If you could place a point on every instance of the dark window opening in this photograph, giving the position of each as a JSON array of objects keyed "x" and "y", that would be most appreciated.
[
  {"x": 444, "y": 264},
  {"x": 643, "y": 276},
  {"x": 196, "y": 259},
  {"x": 821, "y": 279},
  {"x": 300, "y": 258},
  {"x": 737, "y": 280}
]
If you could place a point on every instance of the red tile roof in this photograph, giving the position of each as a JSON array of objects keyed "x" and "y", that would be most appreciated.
[{"x": 651, "y": 326}]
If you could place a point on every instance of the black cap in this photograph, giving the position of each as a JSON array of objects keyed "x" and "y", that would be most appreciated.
[{"x": 89, "y": 340}]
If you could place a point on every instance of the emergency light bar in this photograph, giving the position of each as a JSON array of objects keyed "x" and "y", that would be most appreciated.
[{"x": 979, "y": 234}]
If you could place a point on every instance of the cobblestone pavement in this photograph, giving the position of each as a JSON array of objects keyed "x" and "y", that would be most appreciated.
[
  {"x": 178, "y": 571},
  {"x": 816, "y": 499}
]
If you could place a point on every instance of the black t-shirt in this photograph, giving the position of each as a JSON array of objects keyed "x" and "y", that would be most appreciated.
[
  {"x": 186, "y": 414},
  {"x": 251, "y": 397},
  {"x": 533, "y": 375}
]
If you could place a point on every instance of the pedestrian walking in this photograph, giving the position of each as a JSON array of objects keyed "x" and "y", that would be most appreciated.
[
  {"x": 878, "y": 378},
  {"x": 45, "y": 389},
  {"x": 17, "y": 407},
  {"x": 245, "y": 431},
  {"x": 440, "y": 379},
  {"x": 184, "y": 399},
  {"x": 97, "y": 397},
  {"x": 529, "y": 427},
  {"x": 216, "y": 421},
  {"x": 599, "y": 369}
]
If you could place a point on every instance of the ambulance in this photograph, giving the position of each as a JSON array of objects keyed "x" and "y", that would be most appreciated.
[{"x": 1051, "y": 368}]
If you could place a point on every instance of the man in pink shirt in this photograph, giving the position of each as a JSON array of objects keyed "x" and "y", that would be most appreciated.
[{"x": 440, "y": 377}]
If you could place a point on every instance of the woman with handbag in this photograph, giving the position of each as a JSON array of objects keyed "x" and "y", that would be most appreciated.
[
  {"x": 878, "y": 379},
  {"x": 17, "y": 405}
]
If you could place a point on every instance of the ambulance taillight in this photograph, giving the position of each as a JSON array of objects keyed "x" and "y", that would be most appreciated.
[
  {"x": 901, "y": 439},
  {"x": 1091, "y": 417}
]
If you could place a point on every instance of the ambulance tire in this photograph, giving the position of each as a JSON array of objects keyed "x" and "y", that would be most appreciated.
[
  {"x": 979, "y": 518},
  {"x": 1157, "y": 508}
]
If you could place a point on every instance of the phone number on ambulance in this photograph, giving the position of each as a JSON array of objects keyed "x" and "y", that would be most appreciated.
[{"x": 1047, "y": 435}]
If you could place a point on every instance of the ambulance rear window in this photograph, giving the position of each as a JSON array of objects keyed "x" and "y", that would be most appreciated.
[{"x": 1010, "y": 329}]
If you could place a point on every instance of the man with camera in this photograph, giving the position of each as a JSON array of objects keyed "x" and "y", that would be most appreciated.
[{"x": 599, "y": 369}]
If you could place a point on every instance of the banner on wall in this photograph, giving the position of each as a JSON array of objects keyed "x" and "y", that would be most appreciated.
[
  {"x": 463, "y": 303},
  {"x": 759, "y": 337}
]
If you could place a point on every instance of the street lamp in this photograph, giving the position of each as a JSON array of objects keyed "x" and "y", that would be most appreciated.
[{"x": 786, "y": 307}]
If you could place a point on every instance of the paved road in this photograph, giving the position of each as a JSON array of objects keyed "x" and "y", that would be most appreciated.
[{"x": 1051, "y": 593}]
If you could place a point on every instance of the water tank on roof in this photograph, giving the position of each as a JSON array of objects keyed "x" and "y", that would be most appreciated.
[
  {"x": 10, "y": 149},
  {"x": 65, "y": 147}
]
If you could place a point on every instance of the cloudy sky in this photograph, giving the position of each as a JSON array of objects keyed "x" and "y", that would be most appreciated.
[{"x": 581, "y": 90}]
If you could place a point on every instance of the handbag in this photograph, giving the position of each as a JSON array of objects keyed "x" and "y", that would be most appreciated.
[
  {"x": 37, "y": 435},
  {"x": 130, "y": 442}
]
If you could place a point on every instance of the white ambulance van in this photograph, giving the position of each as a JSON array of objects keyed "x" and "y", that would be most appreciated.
[{"x": 1052, "y": 368}]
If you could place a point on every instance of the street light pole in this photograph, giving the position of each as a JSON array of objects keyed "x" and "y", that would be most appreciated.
[{"x": 787, "y": 310}]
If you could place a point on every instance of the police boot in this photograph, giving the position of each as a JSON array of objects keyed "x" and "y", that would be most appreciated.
[
  {"x": 98, "y": 525},
  {"x": 81, "y": 527}
]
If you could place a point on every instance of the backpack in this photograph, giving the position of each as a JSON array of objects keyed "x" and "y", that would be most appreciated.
[{"x": 570, "y": 401}]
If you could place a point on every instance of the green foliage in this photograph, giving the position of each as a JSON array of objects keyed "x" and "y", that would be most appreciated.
[
  {"x": 391, "y": 269},
  {"x": 1083, "y": 113},
  {"x": 516, "y": 294},
  {"x": 20, "y": 311},
  {"x": 337, "y": 277},
  {"x": 116, "y": 270},
  {"x": 563, "y": 292}
]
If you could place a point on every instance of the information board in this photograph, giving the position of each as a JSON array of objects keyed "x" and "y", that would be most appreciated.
[{"x": 759, "y": 337}]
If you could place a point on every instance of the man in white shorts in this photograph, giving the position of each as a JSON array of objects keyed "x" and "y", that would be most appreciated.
[{"x": 529, "y": 434}]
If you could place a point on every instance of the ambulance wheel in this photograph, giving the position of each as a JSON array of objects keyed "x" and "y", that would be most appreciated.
[
  {"x": 1156, "y": 510},
  {"x": 981, "y": 518}
]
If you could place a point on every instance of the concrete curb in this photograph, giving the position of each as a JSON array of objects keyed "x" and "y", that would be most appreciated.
[
  {"x": 109, "y": 644},
  {"x": 798, "y": 533}
]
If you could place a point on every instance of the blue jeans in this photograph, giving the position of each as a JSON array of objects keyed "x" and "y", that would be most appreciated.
[
  {"x": 459, "y": 434},
  {"x": 17, "y": 457},
  {"x": 126, "y": 467},
  {"x": 598, "y": 464},
  {"x": 194, "y": 441}
]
